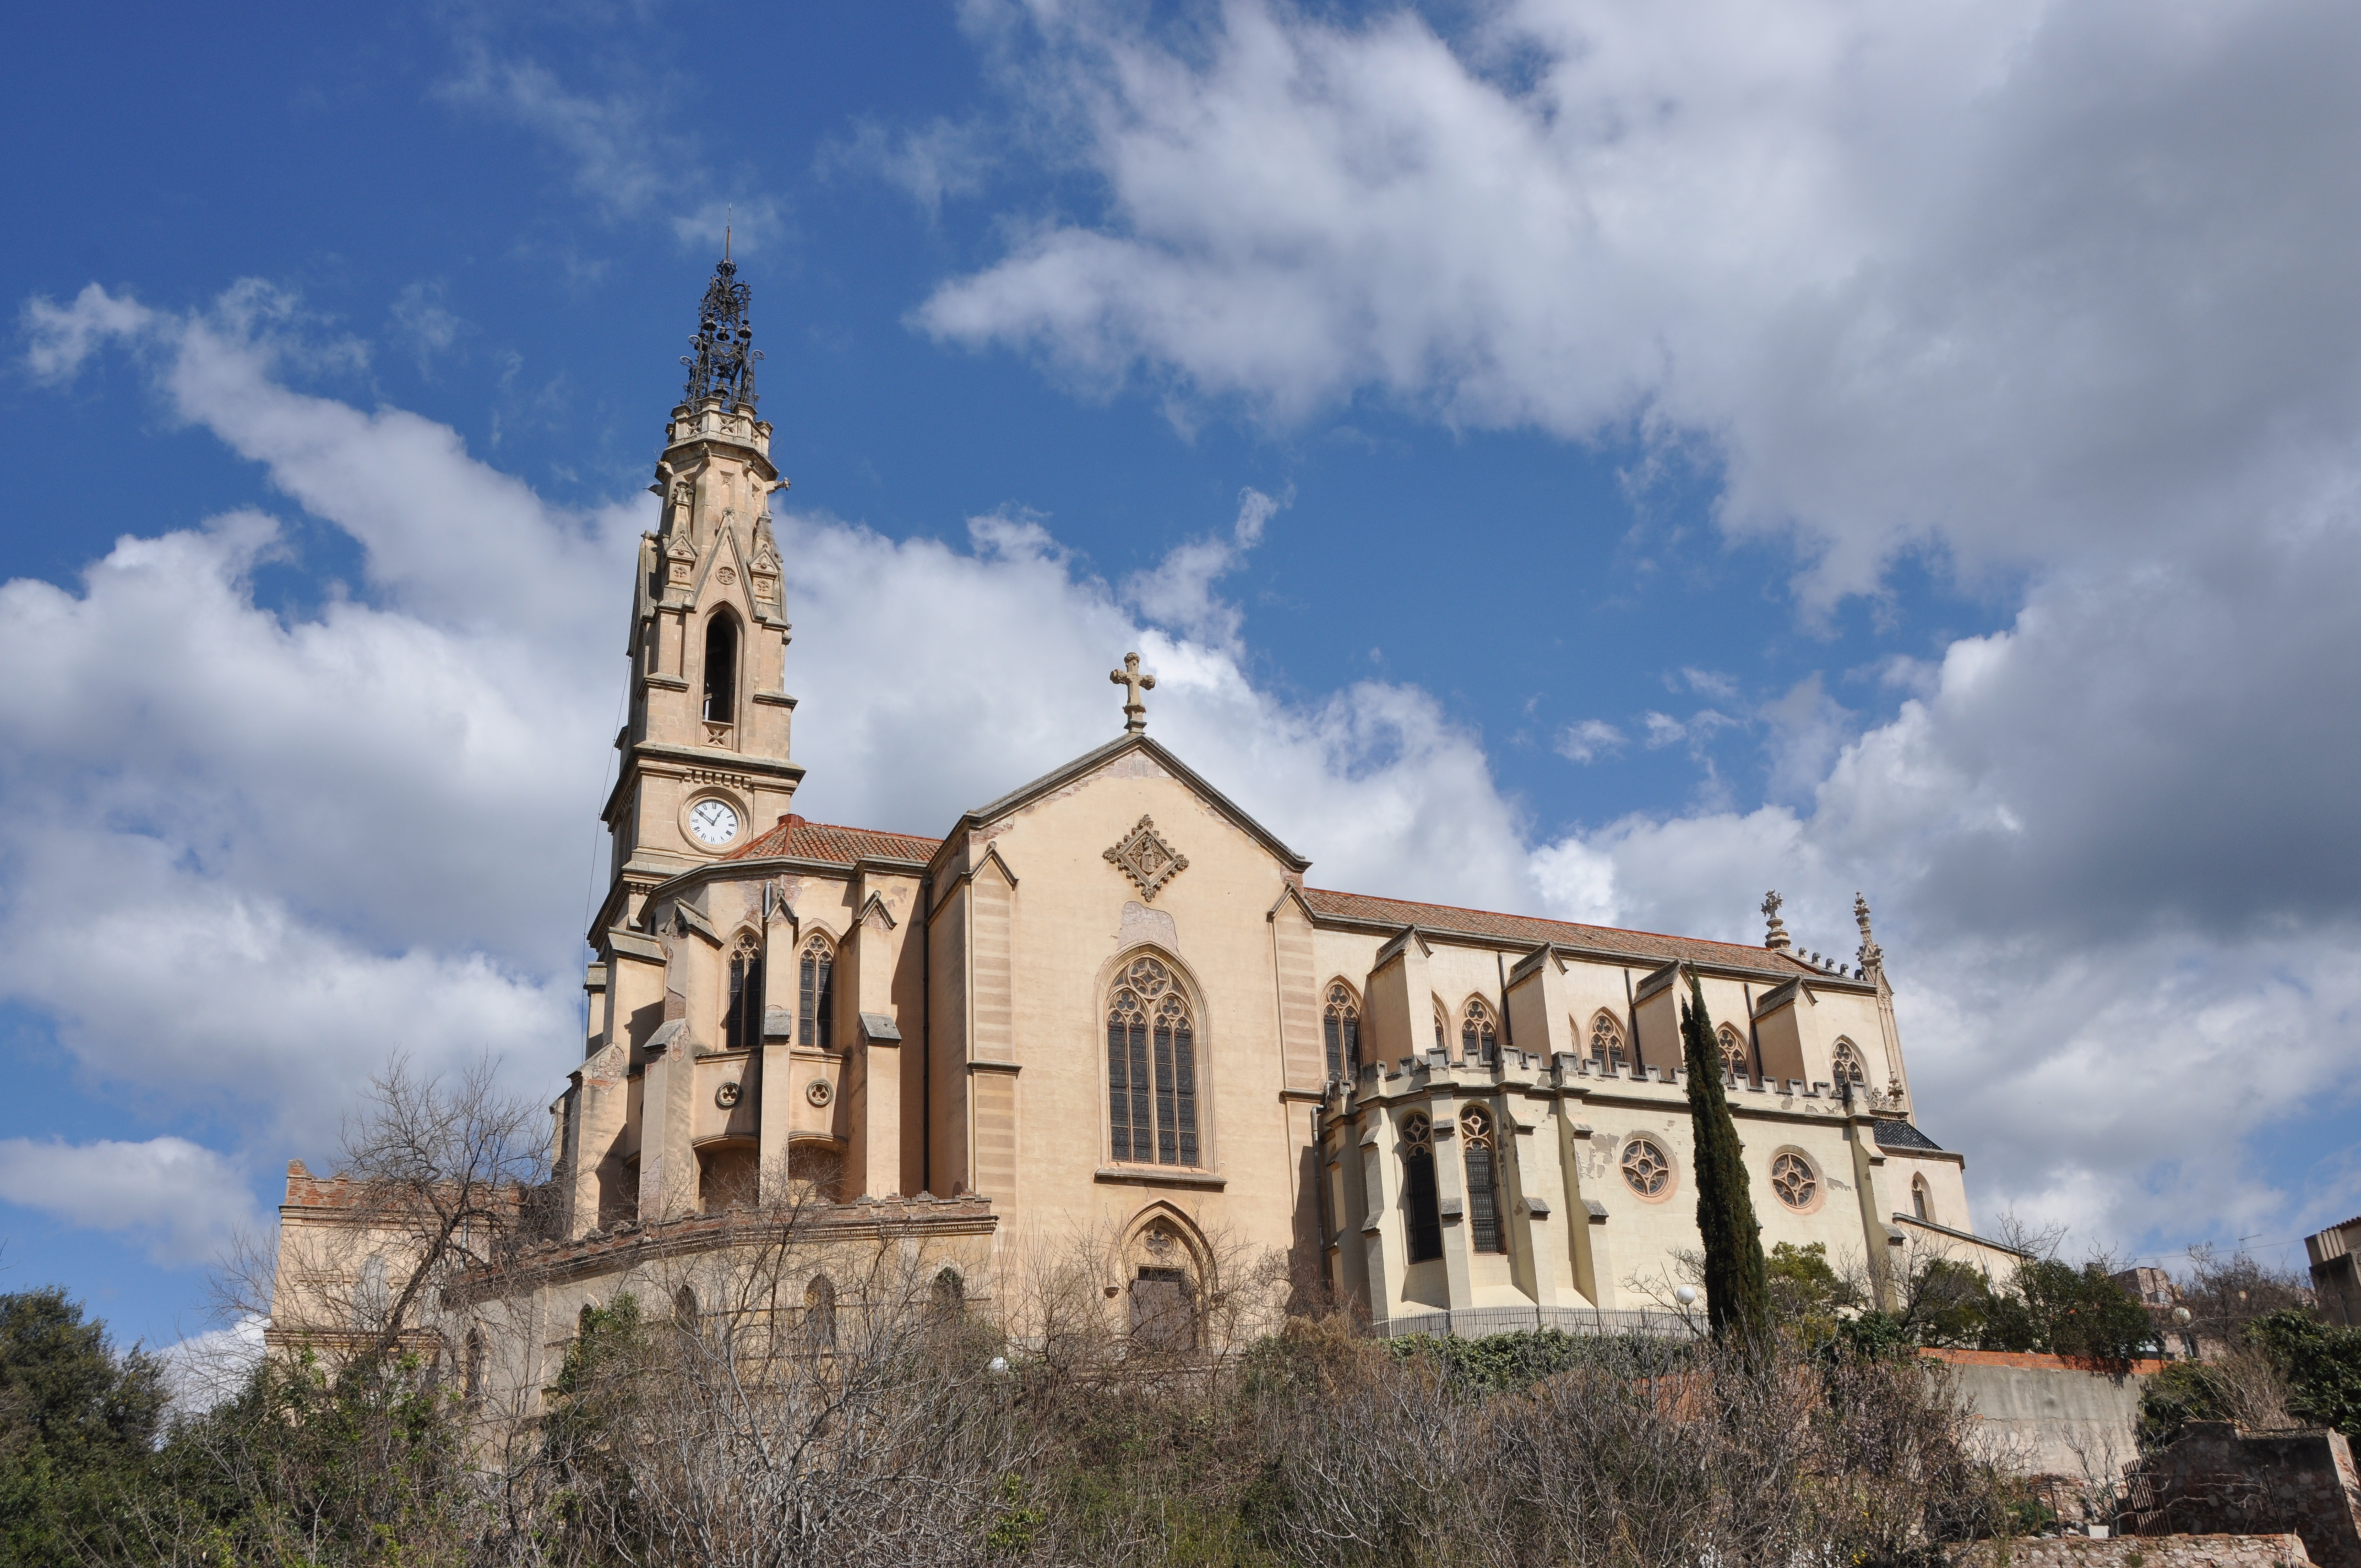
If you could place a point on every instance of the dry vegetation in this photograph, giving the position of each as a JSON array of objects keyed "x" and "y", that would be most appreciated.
[{"x": 730, "y": 1409}]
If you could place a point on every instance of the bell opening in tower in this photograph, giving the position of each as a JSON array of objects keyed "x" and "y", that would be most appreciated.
[{"x": 720, "y": 670}]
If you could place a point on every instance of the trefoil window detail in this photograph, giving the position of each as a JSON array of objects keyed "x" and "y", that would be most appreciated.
[
  {"x": 1341, "y": 1024},
  {"x": 1479, "y": 1033},
  {"x": 1734, "y": 1053},
  {"x": 816, "y": 995},
  {"x": 742, "y": 1022},
  {"x": 1151, "y": 1068},
  {"x": 1846, "y": 1064},
  {"x": 1606, "y": 1041}
]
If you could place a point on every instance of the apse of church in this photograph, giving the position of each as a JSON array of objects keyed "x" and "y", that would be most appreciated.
[{"x": 1111, "y": 1003}]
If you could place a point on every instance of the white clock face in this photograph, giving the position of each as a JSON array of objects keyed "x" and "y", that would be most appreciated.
[{"x": 713, "y": 821}]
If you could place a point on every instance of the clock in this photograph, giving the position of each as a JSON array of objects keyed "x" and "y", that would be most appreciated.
[{"x": 712, "y": 821}]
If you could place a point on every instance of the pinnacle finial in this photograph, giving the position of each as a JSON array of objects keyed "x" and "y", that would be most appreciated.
[
  {"x": 1134, "y": 712},
  {"x": 1872, "y": 956},
  {"x": 1774, "y": 934}
]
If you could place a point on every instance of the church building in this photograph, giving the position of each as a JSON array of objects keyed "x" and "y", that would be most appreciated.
[{"x": 1112, "y": 1004}]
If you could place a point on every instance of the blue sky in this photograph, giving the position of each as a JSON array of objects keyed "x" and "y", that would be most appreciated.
[{"x": 1796, "y": 444}]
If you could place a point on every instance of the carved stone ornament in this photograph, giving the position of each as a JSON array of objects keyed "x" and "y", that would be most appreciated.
[
  {"x": 727, "y": 1095},
  {"x": 1147, "y": 858},
  {"x": 728, "y": 576},
  {"x": 819, "y": 1093}
]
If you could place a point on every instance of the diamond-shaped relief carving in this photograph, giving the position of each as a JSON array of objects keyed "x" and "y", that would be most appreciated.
[{"x": 1147, "y": 858}]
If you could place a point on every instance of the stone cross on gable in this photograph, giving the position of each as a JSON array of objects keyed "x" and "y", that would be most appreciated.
[{"x": 1134, "y": 712}]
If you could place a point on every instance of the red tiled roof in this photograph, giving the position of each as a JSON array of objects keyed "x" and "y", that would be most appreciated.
[
  {"x": 795, "y": 839},
  {"x": 1526, "y": 928}
]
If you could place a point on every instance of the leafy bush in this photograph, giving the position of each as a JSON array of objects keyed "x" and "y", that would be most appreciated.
[
  {"x": 2321, "y": 1362},
  {"x": 2077, "y": 1312},
  {"x": 77, "y": 1422}
]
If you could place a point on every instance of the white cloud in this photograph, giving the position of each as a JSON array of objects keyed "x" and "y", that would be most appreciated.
[
  {"x": 929, "y": 163},
  {"x": 59, "y": 337},
  {"x": 182, "y": 1200},
  {"x": 206, "y": 1369},
  {"x": 1589, "y": 741},
  {"x": 421, "y": 322},
  {"x": 2028, "y": 280},
  {"x": 1180, "y": 592},
  {"x": 630, "y": 158}
]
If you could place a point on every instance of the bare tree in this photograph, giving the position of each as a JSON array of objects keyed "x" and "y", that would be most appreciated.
[{"x": 2224, "y": 1294}]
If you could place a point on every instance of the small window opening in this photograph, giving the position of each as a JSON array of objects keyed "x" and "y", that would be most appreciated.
[{"x": 720, "y": 670}]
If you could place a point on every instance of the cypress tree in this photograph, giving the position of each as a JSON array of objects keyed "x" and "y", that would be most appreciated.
[{"x": 1737, "y": 1288}]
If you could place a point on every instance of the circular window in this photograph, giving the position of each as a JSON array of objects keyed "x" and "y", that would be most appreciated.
[
  {"x": 1646, "y": 1168},
  {"x": 1793, "y": 1179}
]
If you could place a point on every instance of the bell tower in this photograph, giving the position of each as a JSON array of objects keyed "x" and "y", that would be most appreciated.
[{"x": 704, "y": 754}]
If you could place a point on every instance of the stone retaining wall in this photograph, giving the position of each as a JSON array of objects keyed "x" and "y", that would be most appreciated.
[
  {"x": 2216, "y": 1478},
  {"x": 2141, "y": 1551}
]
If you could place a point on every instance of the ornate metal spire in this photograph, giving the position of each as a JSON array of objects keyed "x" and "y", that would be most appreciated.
[
  {"x": 1774, "y": 936},
  {"x": 723, "y": 365}
]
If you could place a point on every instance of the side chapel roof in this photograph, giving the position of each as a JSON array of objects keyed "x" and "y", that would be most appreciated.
[
  {"x": 796, "y": 839},
  {"x": 1396, "y": 912}
]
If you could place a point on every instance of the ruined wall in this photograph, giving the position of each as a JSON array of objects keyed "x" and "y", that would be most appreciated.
[{"x": 2218, "y": 1478}]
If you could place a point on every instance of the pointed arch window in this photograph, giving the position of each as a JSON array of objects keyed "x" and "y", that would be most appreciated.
[
  {"x": 1441, "y": 1028},
  {"x": 1846, "y": 1063},
  {"x": 1922, "y": 1200},
  {"x": 816, "y": 995},
  {"x": 1732, "y": 1045},
  {"x": 1479, "y": 1032},
  {"x": 1485, "y": 1232},
  {"x": 1606, "y": 1041},
  {"x": 1341, "y": 1024},
  {"x": 1151, "y": 1068},
  {"x": 741, "y": 1020},
  {"x": 721, "y": 668},
  {"x": 1421, "y": 1207}
]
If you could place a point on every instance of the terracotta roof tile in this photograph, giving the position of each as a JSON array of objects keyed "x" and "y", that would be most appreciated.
[
  {"x": 1646, "y": 944},
  {"x": 795, "y": 839}
]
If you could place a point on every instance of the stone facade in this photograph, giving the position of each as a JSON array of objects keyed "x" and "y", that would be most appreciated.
[{"x": 1110, "y": 1004}]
